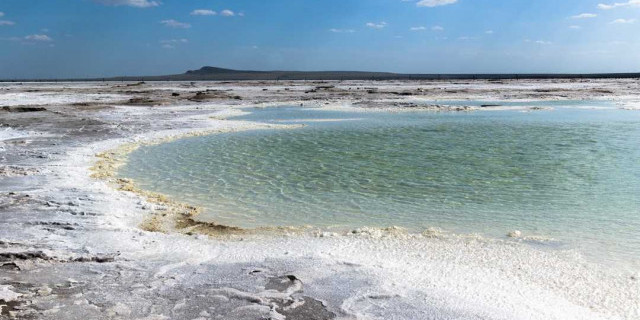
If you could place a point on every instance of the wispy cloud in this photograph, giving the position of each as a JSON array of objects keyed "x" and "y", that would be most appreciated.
[
  {"x": 537, "y": 41},
  {"x": 489, "y": 32},
  {"x": 435, "y": 3},
  {"x": 38, "y": 37},
  {"x": 575, "y": 27},
  {"x": 130, "y": 3},
  {"x": 1, "y": 14},
  {"x": 174, "y": 41},
  {"x": 420, "y": 28},
  {"x": 630, "y": 3},
  {"x": 171, "y": 43},
  {"x": 437, "y": 28},
  {"x": 623, "y": 21},
  {"x": 584, "y": 16},
  {"x": 175, "y": 24},
  {"x": 227, "y": 13},
  {"x": 6, "y": 23},
  {"x": 334, "y": 30},
  {"x": 373, "y": 25},
  {"x": 203, "y": 12}
]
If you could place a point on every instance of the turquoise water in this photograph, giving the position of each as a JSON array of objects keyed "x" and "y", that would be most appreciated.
[{"x": 570, "y": 174}]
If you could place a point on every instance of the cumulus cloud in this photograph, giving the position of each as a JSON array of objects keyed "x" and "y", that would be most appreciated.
[
  {"x": 175, "y": 24},
  {"x": 334, "y": 30},
  {"x": 227, "y": 13},
  {"x": 203, "y": 12},
  {"x": 6, "y": 23},
  {"x": 38, "y": 37},
  {"x": 417, "y": 28},
  {"x": 584, "y": 16},
  {"x": 623, "y": 21},
  {"x": 630, "y": 3},
  {"x": 130, "y": 3},
  {"x": 435, "y": 3},
  {"x": 437, "y": 28},
  {"x": 374, "y": 25}
]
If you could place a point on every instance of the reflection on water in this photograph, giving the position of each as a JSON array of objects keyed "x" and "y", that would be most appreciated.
[{"x": 568, "y": 174}]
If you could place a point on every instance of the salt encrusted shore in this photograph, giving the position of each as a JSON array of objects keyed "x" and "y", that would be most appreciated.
[{"x": 74, "y": 246}]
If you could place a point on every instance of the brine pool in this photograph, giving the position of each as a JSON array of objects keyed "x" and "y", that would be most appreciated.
[{"x": 566, "y": 178}]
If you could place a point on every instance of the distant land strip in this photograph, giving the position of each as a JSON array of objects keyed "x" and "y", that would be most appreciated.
[{"x": 221, "y": 74}]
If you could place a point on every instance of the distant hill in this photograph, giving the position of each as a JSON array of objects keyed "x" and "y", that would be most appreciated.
[
  {"x": 215, "y": 73},
  {"x": 222, "y": 74}
]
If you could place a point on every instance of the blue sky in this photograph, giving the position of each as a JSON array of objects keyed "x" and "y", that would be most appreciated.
[{"x": 94, "y": 38}]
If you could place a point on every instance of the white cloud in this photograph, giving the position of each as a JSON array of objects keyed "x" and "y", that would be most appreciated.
[
  {"x": 489, "y": 32},
  {"x": 575, "y": 27},
  {"x": 6, "y": 23},
  {"x": 437, "y": 28},
  {"x": 168, "y": 46},
  {"x": 227, "y": 13},
  {"x": 373, "y": 25},
  {"x": 630, "y": 3},
  {"x": 420, "y": 28},
  {"x": 175, "y": 24},
  {"x": 130, "y": 3},
  {"x": 435, "y": 3},
  {"x": 623, "y": 21},
  {"x": 584, "y": 16},
  {"x": 38, "y": 37},
  {"x": 334, "y": 30},
  {"x": 203, "y": 12}
]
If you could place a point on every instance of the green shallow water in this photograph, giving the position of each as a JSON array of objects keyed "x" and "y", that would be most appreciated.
[{"x": 568, "y": 174}]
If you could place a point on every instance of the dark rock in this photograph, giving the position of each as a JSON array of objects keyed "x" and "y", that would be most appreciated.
[
  {"x": 11, "y": 256},
  {"x": 9, "y": 266},
  {"x": 97, "y": 259},
  {"x": 23, "y": 109},
  {"x": 140, "y": 101},
  {"x": 311, "y": 309},
  {"x": 282, "y": 284},
  {"x": 6, "y": 307}
]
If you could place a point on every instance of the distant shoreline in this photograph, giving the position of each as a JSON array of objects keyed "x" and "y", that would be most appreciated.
[{"x": 220, "y": 74}]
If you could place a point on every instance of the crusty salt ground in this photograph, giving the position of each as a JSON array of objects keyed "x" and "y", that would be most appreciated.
[{"x": 71, "y": 246}]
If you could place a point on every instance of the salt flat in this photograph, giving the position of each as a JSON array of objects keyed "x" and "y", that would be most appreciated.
[{"x": 73, "y": 245}]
